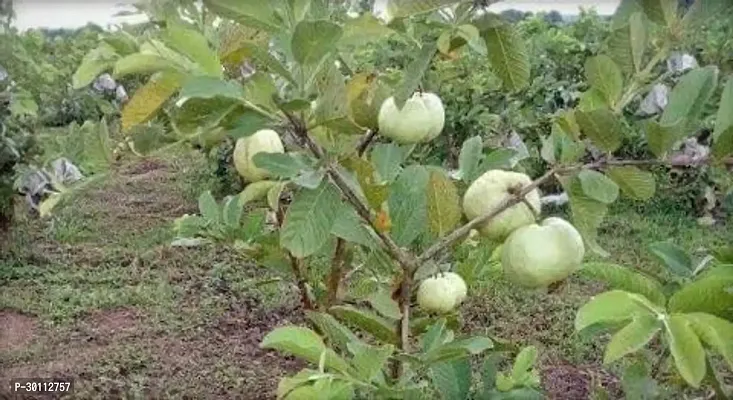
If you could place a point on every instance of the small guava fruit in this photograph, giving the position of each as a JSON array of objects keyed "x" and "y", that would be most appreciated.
[
  {"x": 262, "y": 141},
  {"x": 538, "y": 255},
  {"x": 436, "y": 294},
  {"x": 458, "y": 285},
  {"x": 490, "y": 190},
  {"x": 421, "y": 119}
]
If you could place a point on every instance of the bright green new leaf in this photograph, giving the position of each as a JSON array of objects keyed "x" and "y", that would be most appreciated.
[
  {"x": 380, "y": 328},
  {"x": 620, "y": 278},
  {"x": 603, "y": 74},
  {"x": 613, "y": 306},
  {"x": 523, "y": 363},
  {"x": 602, "y": 127},
  {"x": 715, "y": 332},
  {"x": 232, "y": 211},
  {"x": 252, "y": 13},
  {"x": 712, "y": 294},
  {"x": 689, "y": 97},
  {"x": 256, "y": 191},
  {"x": 592, "y": 99},
  {"x": 587, "y": 213},
  {"x": 313, "y": 40},
  {"x": 632, "y": 337},
  {"x": 673, "y": 258},
  {"x": 303, "y": 343},
  {"x": 369, "y": 361},
  {"x": 598, "y": 186},
  {"x": 309, "y": 220},
  {"x": 93, "y": 64},
  {"x": 634, "y": 183},
  {"x": 140, "y": 63},
  {"x": 686, "y": 349},
  {"x": 194, "y": 45},
  {"x": 508, "y": 55},
  {"x": 209, "y": 208},
  {"x": 443, "y": 203}
]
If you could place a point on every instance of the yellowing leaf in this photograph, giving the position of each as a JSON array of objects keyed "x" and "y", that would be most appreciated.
[
  {"x": 444, "y": 210},
  {"x": 147, "y": 100}
]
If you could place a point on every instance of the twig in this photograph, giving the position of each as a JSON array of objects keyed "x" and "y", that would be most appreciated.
[
  {"x": 296, "y": 264},
  {"x": 366, "y": 141}
]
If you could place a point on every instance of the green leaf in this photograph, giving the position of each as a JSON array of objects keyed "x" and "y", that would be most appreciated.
[
  {"x": 702, "y": 11},
  {"x": 613, "y": 306},
  {"x": 432, "y": 338},
  {"x": 626, "y": 279},
  {"x": 603, "y": 74},
  {"x": 93, "y": 64},
  {"x": 364, "y": 29},
  {"x": 723, "y": 135},
  {"x": 469, "y": 159},
  {"x": 140, "y": 63},
  {"x": 689, "y": 97},
  {"x": 712, "y": 294},
  {"x": 715, "y": 332},
  {"x": 602, "y": 127},
  {"x": 452, "y": 379},
  {"x": 619, "y": 46},
  {"x": 382, "y": 302},
  {"x": 674, "y": 259},
  {"x": 208, "y": 208},
  {"x": 339, "y": 335},
  {"x": 375, "y": 192},
  {"x": 592, "y": 99},
  {"x": 369, "y": 361},
  {"x": 309, "y": 220},
  {"x": 199, "y": 115},
  {"x": 662, "y": 12},
  {"x": 313, "y": 40},
  {"x": 387, "y": 159},
  {"x": 632, "y": 337},
  {"x": 379, "y": 327},
  {"x": 252, "y": 13},
  {"x": 497, "y": 159},
  {"x": 232, "y": 212},
  {"x": 408, "y": 205},
  {"x": 686, "y": 349},
  {"x": 508, "y": 55},
  {"x": 406, "y": 8},
  {"x": 349, "y": 226},
  {"x": 206, "y": 87},
  {"x": 443, "y": 204},
  {"x": 637, "y": 382},
  {"x": 310, "y": 179},
  {"x": 588, "y": 214},
  {"x": 414, "y": 73},
  {"x": 634, "y": 183},
  {"x": 246, "y": 123},
  {"x": 303, "y": 343},
  {"x": 638, "y": 39},
  {"x": 260, "y": 57},
  {"x": 149, "y": 99},
  {"x": 256, "y": 191},
  {"x": 661, "y": 138},
  {"x": 284, "y": 165},
  {"x": 598, "y": 187},
  {"x": 194, "y": 45},
  {"x": 523, "y": 363}
]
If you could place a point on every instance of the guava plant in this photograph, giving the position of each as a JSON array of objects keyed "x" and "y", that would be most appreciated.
[{"x": 328, "y": 150}]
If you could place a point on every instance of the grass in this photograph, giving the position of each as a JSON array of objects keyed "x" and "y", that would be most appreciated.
[{"x": 99, "y": 281}]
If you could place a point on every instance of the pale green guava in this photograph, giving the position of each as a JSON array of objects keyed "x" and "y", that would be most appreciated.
[
  {"x": 538, "y": 255},
  {"x": 437, "y": 295},
  {"x": 488, "y": 192},
  {"x": 421, "y": 119},
  {"x": 262, "y": 141},
  {"x": 458, "y": 286}
]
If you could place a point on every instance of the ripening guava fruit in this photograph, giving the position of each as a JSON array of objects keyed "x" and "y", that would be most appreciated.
[
  {"x": 491, "y": 189},
  {"x": 538, "y": 255},
  {"x": 458, "y": 285},
  {"x": 420, "y": 119},
  {"x": 262, "y": 141},
  {"x": 436, "y": 294}
]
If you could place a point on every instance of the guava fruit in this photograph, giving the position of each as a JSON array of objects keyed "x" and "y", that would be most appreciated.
[
  {"x": 436, "y": 294},
  {"x": 458, "y": 285},
  {"x": 538, "y": 255},
  {"x": 490, "y": 190},
  {"x": 262, "y": 141},
  {"x": 441, "y": 293},
  {"x": 421, "y": 119}
]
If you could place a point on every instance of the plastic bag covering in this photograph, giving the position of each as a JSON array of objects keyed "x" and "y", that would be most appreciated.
[{"x": 655, "y": 101}]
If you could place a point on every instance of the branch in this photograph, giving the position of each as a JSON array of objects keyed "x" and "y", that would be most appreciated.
[
  {"x": 296, "y": 264},
  {"x": 482, "y": 219},
  {"x": 366, "y": 141}
]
